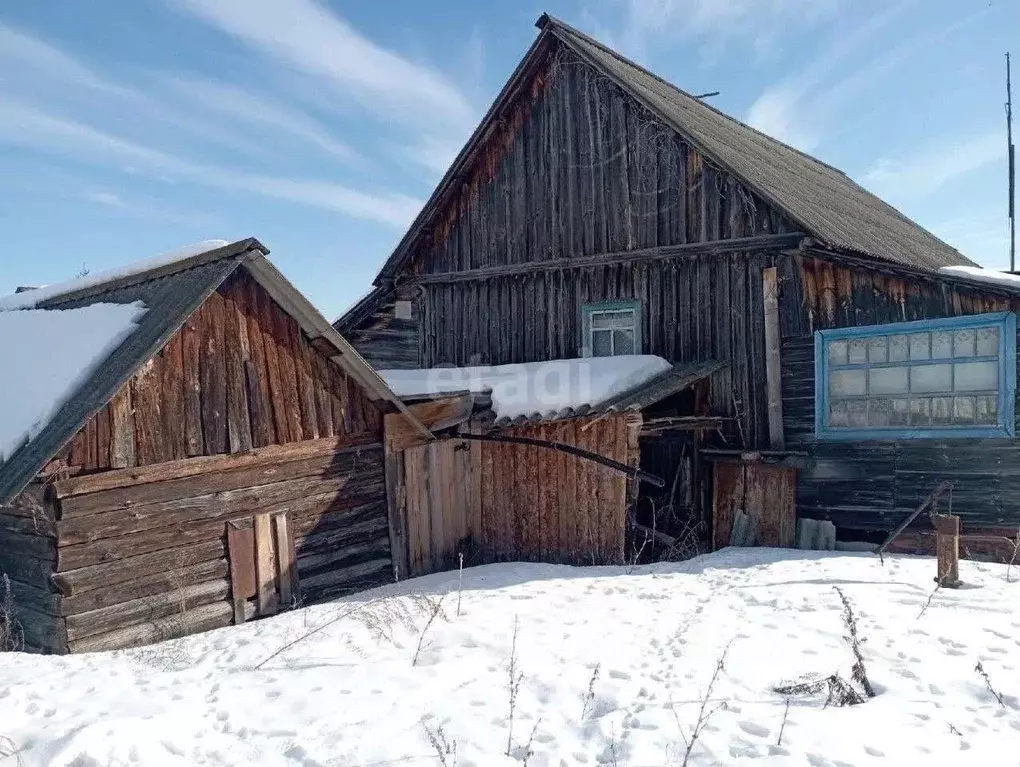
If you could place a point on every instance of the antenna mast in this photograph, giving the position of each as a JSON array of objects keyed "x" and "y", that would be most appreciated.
[{"x": 1012, "y": 168}]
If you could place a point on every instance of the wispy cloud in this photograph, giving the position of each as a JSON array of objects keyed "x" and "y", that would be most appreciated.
[
  {"x": 106, "y": 198},
  {"x": 714, "y": 23},
  {"x": 238, "y": 104},
  {"x": 29, "y": 127},
  {"x": 934, "y": 165},
  {"x": 309, "y": 37},
  {"x": 851, "y": 63}
]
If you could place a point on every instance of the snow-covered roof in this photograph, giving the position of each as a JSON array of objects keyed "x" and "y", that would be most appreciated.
[
  {"x": 46, "y": 354},
  {"x": 534, "y": 388},
  {"x": 990, "y": 276},
  {"x": 29, "y": 299}
]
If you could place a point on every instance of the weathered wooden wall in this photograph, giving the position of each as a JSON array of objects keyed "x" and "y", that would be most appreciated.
[
  {"x": 28, "y": 556},
  {"x": 577, "y": 169},
  {"x": 139, "y": 555},
  {"x": 874, "y": 485},
  {"x": 239, "y": 374},
  {"x": 694, "y": 308},
  {"x": 498, "y": 502},
  {"x": 238, "y": 414},
  {"x": 387, "y": 341}
]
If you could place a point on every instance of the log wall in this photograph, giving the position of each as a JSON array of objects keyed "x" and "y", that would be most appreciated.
[
  {"x": 874, "y": 485},
  {"x": 498, "y": 502},
  {"x": 239, "y": 374},
  {"x": 139, "y": 555}
]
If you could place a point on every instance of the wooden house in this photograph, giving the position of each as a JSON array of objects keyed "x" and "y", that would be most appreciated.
[
  {"x": 600, "y": 210},
  {"x": 216, "y": 455}
]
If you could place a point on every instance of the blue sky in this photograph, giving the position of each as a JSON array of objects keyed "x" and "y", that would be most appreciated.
[{"x": 128, "y": 129}]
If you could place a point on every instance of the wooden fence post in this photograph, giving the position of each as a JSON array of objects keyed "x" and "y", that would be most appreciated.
[{"x": 947, "y": 548}]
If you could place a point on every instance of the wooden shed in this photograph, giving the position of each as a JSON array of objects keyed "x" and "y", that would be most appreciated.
[
  {"x": 555, "y": 484},
  {"x": 219, "y": 458}
]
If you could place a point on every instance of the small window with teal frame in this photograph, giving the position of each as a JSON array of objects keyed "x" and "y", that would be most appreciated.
[
  {"x": 611, "y": 328},
  {"x": 952, "y": 377}
]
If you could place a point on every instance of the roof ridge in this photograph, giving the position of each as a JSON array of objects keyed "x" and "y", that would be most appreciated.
[
  {"x": 555, "y": 22},
  {"x": 142, "y": 271}
]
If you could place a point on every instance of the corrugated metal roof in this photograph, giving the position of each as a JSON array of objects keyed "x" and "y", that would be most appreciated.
[
  {"x": 819, "y": 198},
  {"x": 639, "y": 397}
]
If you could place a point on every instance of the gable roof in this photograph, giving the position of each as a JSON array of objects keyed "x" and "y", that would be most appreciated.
[
  {"x": 818, "y": 198},
  {"x": 171, "y": 291}
]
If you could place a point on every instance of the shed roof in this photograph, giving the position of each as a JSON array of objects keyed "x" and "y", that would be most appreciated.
[
  {"x": 555, "y": 390},
  {"x": 170, "y": 290}
]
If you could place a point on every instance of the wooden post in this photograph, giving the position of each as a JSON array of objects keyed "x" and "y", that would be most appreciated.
[
  {"x": 772, "y": 362},
  {"x": 947, "y": 547},
  {"x": 265, "y": 564}
]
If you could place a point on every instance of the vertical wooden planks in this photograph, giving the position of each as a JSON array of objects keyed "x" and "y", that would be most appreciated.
[
  {"x": 241, "y": 553},
  {"x": 265, "y": 564},
  {"x": 171, "y": 366},
  {"x": 283, "y": 335},
  {"x": 103, "y": 440},
  {"x": 728, "y": 497},
  {"x": 284, "y": 542},
  {"x": 150, "y": 444},
  {"x": 263, "y": 428},
  {"x": 568, "y": 496},
  {"x": 122, "y": 430},
  {"x": 303, "y": 361},
  {"x": 239, "y": 432},
  {"x": 266, "y": 310},
  {"x": 213, "y": 376},
  {"x": 191, "y": 351},
  {"x": 773, "y": 368}
]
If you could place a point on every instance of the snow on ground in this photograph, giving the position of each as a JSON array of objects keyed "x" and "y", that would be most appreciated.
[
  {"x": 534, "y": 387},
  {"x": 350, "y": 694},
  {"x": 45, "y": 355},
  {"x": 31, "y": 298}
]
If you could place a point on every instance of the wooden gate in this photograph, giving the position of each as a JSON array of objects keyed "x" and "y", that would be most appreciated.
[{"x": 764, "y": 492}]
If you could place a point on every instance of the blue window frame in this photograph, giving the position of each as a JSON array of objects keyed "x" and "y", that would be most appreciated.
[
  {"x": 952, "y": 377},
  {"x": 611, "y": 328}
]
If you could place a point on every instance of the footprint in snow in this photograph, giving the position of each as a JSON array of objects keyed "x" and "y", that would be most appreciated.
[
  {"x": 617, "y": 674},
  {"x": 753, "y": 728}
]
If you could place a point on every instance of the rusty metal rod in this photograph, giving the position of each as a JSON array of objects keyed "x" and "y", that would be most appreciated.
[{"x": 577, "y": 452}]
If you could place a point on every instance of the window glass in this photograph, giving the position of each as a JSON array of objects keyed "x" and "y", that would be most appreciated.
[
  {"x": 602, "y": 343},
  {"x": 888, "y": 380},
  {"x": 920, "y": 346},
  {"x": 898, "y": 348},
  {"x": 976, "y": 376},
  {"x": 963, "y": 343},
  {"x": 941, "y": 345},
  {"x": 623, "y": 342},
  {"x": 945, "y": 378},
  {"x": 858, "y": 351},
  {"x": 611, "y": 328},
  {"x": 931, "y": 378}
]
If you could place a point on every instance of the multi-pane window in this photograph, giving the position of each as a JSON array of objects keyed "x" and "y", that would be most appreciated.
[
  {"x": 917, "y": 379},
  {"x": 612, "y": 328}
]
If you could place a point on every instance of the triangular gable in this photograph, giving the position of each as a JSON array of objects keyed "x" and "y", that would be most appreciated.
[{"x": 819, "y": 199}]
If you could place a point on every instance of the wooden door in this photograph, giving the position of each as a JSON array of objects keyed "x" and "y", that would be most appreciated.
[
  {"x": 262, "y": 564},
  {"x": 765, "y": 493}
]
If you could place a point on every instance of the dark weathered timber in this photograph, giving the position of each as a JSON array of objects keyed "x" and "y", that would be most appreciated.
[{"x": 712, "y": 247}]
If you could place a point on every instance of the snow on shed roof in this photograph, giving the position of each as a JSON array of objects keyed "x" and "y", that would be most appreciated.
[
  {"x": 535, "y": 388},
  {"x": 46, "y": 355},
  {"x": 29, "y": 299}
]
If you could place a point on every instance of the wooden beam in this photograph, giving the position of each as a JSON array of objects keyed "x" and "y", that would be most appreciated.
[
  {"x": 773, "y": 365},
  {"x": 241, "y": 553},
  {"x": 265, "y": 564},
  {"x": 947, "y": 549},
  {"x": 285, "y": 549},
  {"x": 434, "y": 415},
  {"x": 712, "y": 247}
]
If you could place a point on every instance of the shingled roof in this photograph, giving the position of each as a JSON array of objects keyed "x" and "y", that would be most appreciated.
[{"x": 817, "y": 197}]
